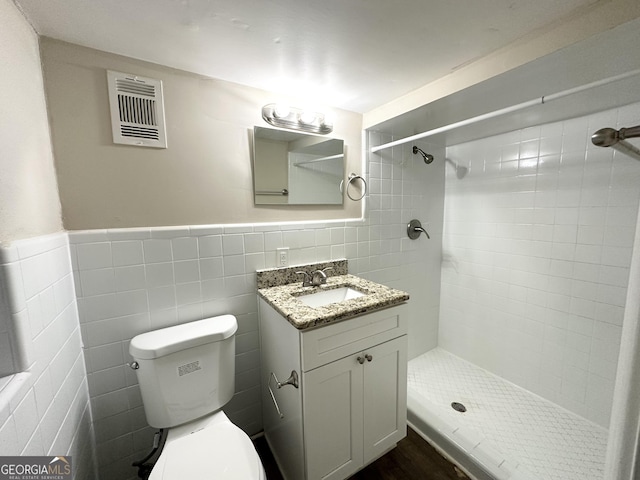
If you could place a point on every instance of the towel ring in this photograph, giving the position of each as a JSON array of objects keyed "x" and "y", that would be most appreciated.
[{"x": 351, "y": 178}]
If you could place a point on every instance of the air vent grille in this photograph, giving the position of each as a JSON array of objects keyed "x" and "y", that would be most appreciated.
[
  {"x": 137, "y": 132},
  {"x": 137, "y": 110},
  {"x": 136, "y": 88}
]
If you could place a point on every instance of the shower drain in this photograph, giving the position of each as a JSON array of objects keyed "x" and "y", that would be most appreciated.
[{"x": 458, "y": 407}]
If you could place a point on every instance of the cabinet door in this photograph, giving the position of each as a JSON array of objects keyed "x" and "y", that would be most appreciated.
[
  {"x": 333, "y": 419},
  {"x": 385, "y": 397}
]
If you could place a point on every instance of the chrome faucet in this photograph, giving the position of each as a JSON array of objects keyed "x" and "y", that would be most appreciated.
[
  {"x": 317, "y": 278},
  {"x": 306, "y": 280}
]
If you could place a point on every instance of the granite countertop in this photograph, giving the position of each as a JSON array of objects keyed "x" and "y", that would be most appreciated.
[{"x": 284, "y": 299}]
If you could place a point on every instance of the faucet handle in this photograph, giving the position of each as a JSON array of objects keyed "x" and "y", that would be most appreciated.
[
  {"x": 324, "y": 270},
  {"x": 306, "y": 280},
  {"x": 318, "y": 278}
]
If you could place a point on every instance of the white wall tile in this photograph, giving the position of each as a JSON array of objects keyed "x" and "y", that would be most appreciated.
[
  {"x": 186, "y": 271},
  {"x": 210, "y": 246},
  {"x": 107, "y": 380},
  {"x": 97, "y": 281},
  {"x": 233, "y": 244},
  {"x": 25, "y": 419},
  {"x": 185, "y": 248},
  {"x": 157, "y": 250},
  {"x": 188, "y": 293},
  {"x": 130, "y": 278},
  {"x": 106, "y": 356},
  {"x": 127, "y": 253},
  {"x": 254, "y": 242},
  {"x": 273, "y": 240},
  {"x": 159, "y": 274},
  {"x": 234, "y": 265},
  {"x": 94, "y": 255}
]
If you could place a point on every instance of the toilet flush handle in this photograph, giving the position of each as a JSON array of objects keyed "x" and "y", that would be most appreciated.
[{"x": 133, "y": 365}]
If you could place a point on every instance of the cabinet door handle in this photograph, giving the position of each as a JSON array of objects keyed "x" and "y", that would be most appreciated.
[
  {"x": 360, "y": 360},
  {"x": 368, "y": 357}
]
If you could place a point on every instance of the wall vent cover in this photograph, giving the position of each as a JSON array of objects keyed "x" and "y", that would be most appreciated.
[{"x": 137, "y": 110}]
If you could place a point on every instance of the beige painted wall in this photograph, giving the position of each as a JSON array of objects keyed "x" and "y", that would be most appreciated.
[
  {"x": 204, "y": 177},
  {"x": 599, "y": 17},
  {"x": 29, "y": 204}
]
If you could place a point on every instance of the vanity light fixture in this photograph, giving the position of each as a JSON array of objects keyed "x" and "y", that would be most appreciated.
[{"x": 284, "y": 116}]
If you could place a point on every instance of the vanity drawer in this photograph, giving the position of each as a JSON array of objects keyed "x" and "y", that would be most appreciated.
[{"x": 331, "y": 342}]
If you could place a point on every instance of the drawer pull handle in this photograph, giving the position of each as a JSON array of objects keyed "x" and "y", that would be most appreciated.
[
  {"x": 368, "y": 357},
  {"x": 360, "y": 360}
]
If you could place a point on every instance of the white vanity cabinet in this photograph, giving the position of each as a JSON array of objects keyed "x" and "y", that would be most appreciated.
[{"x": 350, "y": 407}]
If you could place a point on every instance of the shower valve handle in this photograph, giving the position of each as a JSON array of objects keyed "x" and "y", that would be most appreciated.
[{"x": 414, "y": 229}]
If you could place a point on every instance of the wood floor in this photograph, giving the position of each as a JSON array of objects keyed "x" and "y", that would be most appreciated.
[{"x": 412, "y": 459}]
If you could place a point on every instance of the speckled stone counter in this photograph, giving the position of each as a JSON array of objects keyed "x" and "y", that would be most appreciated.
[{"x": 284, "y": 299}]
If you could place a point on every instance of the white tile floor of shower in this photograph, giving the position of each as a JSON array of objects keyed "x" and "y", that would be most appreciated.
[{"x": 506, "y": 428}]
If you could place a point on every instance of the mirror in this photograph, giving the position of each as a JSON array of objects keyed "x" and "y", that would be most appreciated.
[{"x": 294, "y": 168}]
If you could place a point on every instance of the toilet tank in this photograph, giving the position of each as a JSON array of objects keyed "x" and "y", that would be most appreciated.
[{"x": 186, "y": 371}]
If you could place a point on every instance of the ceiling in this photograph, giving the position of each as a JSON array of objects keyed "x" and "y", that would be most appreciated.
[
  {"x": 593, "y": 75},
  {"x": 350, "y": 54}
]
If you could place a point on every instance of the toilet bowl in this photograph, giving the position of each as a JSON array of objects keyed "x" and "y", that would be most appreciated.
[
  {"x": 211, "y": 448},
  {"x": 186, "y": 375}
]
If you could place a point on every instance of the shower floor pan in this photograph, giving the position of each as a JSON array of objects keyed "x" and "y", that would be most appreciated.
[{"x": 506, "y": 431}]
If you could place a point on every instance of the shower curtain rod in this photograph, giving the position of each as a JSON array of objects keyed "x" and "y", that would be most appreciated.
[
  {"x": 617, "y": 139},
  {"x": 503, "y": 111}
]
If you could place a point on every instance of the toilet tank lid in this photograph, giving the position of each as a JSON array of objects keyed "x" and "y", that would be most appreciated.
[{"x": 165, "y": 341}]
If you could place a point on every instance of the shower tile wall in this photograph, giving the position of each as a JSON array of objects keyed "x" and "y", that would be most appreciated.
[
  {"x": 132, "y": 281},
  {"x": 536, "y": 252},
  {"x": 45, "y": 410},
  {"x": 409, "y": 189}
]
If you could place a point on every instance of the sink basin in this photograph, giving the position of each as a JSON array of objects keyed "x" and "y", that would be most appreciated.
[{"x": 327, "y": 297}]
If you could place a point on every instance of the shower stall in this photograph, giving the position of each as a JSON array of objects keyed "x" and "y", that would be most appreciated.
[{"x": 526, "y": 369}]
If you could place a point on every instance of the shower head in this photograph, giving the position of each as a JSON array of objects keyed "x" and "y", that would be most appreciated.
[
  {"x": 461, "y": 170},
  {"x": 425, "y": 156}
]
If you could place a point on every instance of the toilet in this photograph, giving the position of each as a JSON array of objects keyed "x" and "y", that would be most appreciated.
[{"x": 186, "y": 375}]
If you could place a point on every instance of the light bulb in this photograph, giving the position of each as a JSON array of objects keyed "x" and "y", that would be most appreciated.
[
  {"x": 281, "y": 110},
  {"x": 328, "y": 121},
  {"x": 307, "y": 117}
]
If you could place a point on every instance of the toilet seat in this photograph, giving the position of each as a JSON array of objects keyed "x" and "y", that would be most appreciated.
[{"x": 215, "y": 449}]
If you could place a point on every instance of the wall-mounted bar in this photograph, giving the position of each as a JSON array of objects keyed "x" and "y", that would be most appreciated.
[
  {"x": 284, "y": 191},
  {"x": 323, "y": 159},
  {"x": 503, "y": 111}
]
